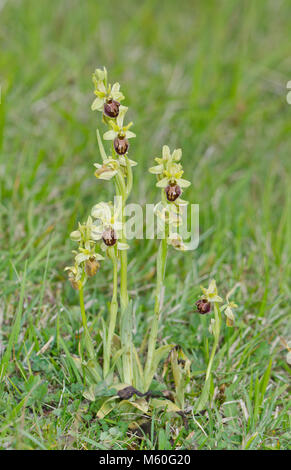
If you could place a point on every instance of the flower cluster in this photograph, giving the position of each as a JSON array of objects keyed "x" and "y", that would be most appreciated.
[
  {"x": 104, "y": 232},
  {"x": 111, "y": 166},
  {"x": 119, "y": 133},
  {"x": 86, "y": 257},
  {"x": 210, "y": 296},
  {"x": 169, "y": 211},
  {"x": 169, "y": 172},
  {"x": 107, "y": 227},
  {"x": 107, "y": 97}
]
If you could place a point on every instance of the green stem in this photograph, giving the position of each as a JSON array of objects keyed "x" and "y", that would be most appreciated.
[
  {"x": 125, "y": 319},
  {"x": 206, "y": 387},
  {"x": 216, "y": 332},
  {"x": 87, "y": 337},
  {"x": 209, "y": 367},
  {"x": 113, "y": 312},
  {"x": 82, "y": 306},
  {"x": 129, "y": 176},
  {"x": 121, "y": 191},
  {"x": 161, "y": 267}
]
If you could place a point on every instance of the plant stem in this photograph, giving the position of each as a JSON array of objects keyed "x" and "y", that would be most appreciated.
[
  {"x": 206, "y": 387},
  {"x": 129, "y": 177},
  {"x": 82, "y": 306},
  {"x": 161, "y": 267},
  {"x": 113, "y": 312},
  {"x": 209, "y": 367},
  {"x": 121, "y": 191},
  {"x": 125, "y": 318},
  {"x": 87, "y": 337},
  {"x": 216, "y": 327}
]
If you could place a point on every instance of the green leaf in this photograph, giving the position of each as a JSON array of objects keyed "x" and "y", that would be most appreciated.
[
  {"x": 99, "y": 390},
  {"x": 16, "y": 327},
  {"x": 203, "y": 399},
  {"x": 140, "y": 404},
  {"x": 264, "y": 382},
  {"x": 165, "y": 404},
  {"x": 107, "y": 406},
  {"x": 71, "y": 360},
  {"x": 101, "y": 148},
  {"x": 157, "y": 386}
]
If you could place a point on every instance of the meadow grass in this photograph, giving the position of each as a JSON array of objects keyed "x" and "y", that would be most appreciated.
[{"x": 209, "y": 77}]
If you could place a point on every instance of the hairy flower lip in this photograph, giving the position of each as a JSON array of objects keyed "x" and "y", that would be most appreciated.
[
  {"x": 173, "y": 191},
  {"x": 121, "y": 144},
  {"x": 111, "y": 108},
  {"x": 109, "y": 237},
  {"x": 91, "y": 267},
  {"x": 203, "y": 306}
]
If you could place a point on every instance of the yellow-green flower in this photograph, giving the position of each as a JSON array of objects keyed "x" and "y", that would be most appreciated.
[
  {"x": 118, "y": 129},
  {"x": 107, "y": 170},
  {"x": 176, "y": 241},
  {"x": 86, "y": 234},
  {"x": 85, "y": 255},
  {"x": 211, "y": 294},
  {"x": 168, "y": 170},
  {"x": 167, "y": 157},
  {"x": 106, "y": 96},
  {"x": 228, "y": 307},
  {"x": 109, "y": 224}
]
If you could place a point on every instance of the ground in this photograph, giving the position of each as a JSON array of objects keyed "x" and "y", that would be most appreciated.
[{"x": 210, "y": 79}]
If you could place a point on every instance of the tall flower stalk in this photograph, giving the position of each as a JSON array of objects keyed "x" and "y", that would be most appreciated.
[
  {"x": 113, "y": 311},
  {"x": 168, "y": 213},
  {"x": 119, "y": 167},
  {"x": 102, "y": 237}
]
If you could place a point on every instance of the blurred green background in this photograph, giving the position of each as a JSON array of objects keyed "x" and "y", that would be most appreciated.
[{"x": 207, "y": 76}]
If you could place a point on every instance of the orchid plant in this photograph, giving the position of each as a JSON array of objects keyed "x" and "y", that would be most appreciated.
[{"x": 124, "y": 377}]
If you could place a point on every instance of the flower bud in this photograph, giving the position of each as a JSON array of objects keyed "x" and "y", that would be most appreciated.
[
  {"x": 203, "y": 306},
  {"x": 173, "y": 191},
  {"x": 121, "y": 145},
  {"x": 74, "y": 284},
  {"x": 109, "y": 237},
  {"x": 76, "y": 236},
  {"x": 73, "y": 281},
  {"x": 91, "y": 267},
  {"x": 111, "y": 108}
]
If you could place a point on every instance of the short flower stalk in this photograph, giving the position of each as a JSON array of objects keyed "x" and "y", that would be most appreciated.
[{"x": 211, "y": 298}]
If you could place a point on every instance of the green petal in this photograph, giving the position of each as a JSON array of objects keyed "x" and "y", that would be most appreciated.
[
  {"x": 162, "y": 183},
  {"x": 183, "y": 183},
  {"x": 75, "y": 236},
  {"x": 166, "y": 152},
  {"x": 81, "y": 257},
  {"x": 106, "y": 175},
  {"x": 109, "y": 135},
  {"x": 177, "y": 154},
  {"x": 130, "y": 134},
  {"x": 122, "y": 246},
  {"x": 97, "y": 104},
  {"x": 215, "y": 298},
  {"x": 228, "y": 312},
  {"x": 157, "y": 170}
]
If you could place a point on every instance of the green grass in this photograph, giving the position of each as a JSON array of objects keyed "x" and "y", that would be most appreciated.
[{"x": 209, "y": 77}]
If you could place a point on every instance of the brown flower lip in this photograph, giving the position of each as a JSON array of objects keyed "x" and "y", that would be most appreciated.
[
  {"x": 203, "y": 306},
  {"x": 91, "y": 267},
  {"x": 109, "y": 237},
  {"x": 173, "y": 191},
  {"x": 74, "y": 283},
  {"x": 121, "y": 144},
  {"x": 111, "y": 108}
]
